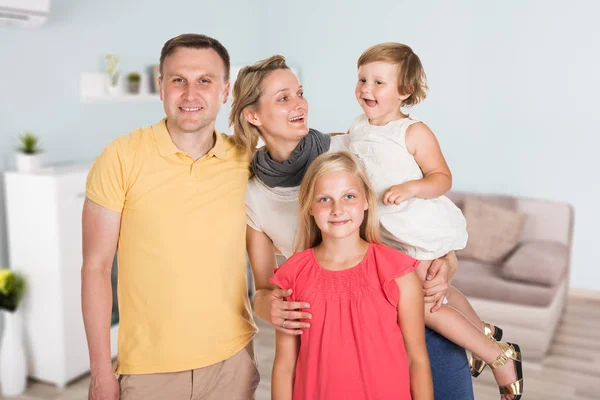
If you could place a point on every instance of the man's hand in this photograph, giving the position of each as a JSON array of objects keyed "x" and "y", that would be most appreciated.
[
  {"x": 103, "y": 387},
  {"x": 436, "y": 283},
  {"x": 398, "y": 193},
  {"x": 283, "y": 314}
]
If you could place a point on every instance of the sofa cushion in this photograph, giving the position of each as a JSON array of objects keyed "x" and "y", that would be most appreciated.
[
  {"x": 486, "y": 281},
  {"x": 493, "y": 231},
  {"x": 500, "y": 200},
  {"x": 537, "y": 261}
]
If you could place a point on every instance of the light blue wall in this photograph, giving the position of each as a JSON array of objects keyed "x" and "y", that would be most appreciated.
[{"x": 513, "y": 90}]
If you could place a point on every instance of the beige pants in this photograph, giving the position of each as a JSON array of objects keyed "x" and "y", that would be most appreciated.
[{"x": 233, "y": 379}]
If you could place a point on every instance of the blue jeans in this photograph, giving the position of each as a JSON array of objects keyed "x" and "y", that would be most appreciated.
[{"x": 449, "y": 367}]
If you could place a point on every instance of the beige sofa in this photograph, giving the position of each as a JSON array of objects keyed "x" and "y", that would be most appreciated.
[{"x": 524, "y": 293}]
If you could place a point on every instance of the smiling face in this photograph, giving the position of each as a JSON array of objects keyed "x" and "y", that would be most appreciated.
[
  {"x": 377, "y": 92},
  {"x": 282, "y": 112},
  {"x": 338, "y": 205},
  {"x": 192, "y": 88}
]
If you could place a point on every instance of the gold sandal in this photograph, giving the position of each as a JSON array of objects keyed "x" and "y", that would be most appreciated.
[
  {"x": 510, "y": 352},
  {"x": 476, "y": 366}
]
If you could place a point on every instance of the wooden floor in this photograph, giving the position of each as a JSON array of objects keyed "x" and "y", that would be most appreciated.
[{"x": 571, "y": 371}]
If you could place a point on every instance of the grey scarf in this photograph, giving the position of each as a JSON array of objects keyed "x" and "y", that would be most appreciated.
[{"x": 290, "y": 172}]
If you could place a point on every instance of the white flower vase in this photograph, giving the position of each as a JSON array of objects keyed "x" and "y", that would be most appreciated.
[
  {"x": 28, "y": 162},
  {"x": 13, "y": 365},
  {"x": 113, "y": 86}
]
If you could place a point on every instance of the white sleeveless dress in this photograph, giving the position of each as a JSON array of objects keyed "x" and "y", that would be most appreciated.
[{"x": 425, "y": 229}]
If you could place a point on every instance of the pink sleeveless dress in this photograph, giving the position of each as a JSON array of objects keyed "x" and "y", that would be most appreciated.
[{"x": 354, "y": 348}]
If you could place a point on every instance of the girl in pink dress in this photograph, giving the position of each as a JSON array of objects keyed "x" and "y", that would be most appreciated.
[{"x": 366, "y": 339}]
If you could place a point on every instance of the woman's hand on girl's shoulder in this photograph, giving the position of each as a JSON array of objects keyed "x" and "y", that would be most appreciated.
[{"x": 284, "y": 315}]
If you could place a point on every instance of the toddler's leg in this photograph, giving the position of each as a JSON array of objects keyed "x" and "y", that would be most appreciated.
[
  {"x": 455, "y": 298},
  {"x": 452, "y": 324},
  {"x": 458, "y": 301},
  {"x": 468, "y": 325}
]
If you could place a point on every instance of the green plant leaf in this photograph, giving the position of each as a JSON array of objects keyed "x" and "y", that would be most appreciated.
[
  {"x": 29, "y": 143},
  {"x": 13, "y": 289}
]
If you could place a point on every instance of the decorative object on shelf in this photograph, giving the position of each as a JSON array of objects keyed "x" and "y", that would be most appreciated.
[
  {"x": 133, "y": 82},
  {"x": 93, "y": 90},
  {"x": 13, "y": 365},
  {"x": 29, "y": 154},
  {"x": 155, "y": 75},
  {"x": 112, "y": 70}
]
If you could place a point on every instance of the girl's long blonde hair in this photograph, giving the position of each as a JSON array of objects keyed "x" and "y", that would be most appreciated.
[
  {"x": 247, "y": 91},
  {"x": 308, "y": 234}
]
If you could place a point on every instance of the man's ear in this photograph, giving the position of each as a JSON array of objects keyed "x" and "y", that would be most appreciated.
[
  {"x": 160, "y": 87},
  {"x": 226, "y": 96},
  {"x": 251, "y": 116}
]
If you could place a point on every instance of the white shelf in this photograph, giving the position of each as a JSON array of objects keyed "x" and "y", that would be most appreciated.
[{"x": 93, "y": 89}]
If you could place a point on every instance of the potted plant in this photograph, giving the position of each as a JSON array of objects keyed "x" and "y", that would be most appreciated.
[
  {"x": 133, "y": 82},
  {"x": 112, "y": 70},
  {"x": 13, "y": 366},
  {"x": 28, "y": 156}
]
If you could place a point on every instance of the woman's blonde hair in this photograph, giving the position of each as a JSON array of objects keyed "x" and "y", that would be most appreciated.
[
  {"x": 247, "y": 91},
  {"x": 308, "y": 234},
  {"x": 411, "y": 75}
]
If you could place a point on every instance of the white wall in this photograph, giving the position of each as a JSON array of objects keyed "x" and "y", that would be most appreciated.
[{"x": 513, "y": 90}]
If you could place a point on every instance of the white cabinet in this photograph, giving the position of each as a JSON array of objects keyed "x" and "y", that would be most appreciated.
[{"x": 43, "y": 212}]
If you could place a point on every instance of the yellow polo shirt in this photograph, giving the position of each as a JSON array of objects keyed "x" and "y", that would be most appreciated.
[{"x": 183, "y": 299}]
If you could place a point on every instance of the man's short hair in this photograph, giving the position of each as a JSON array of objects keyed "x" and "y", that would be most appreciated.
[{"x": 195, "y": 41}]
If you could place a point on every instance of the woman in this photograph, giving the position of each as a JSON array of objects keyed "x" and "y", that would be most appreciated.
[{"x": 268, "y": 101}]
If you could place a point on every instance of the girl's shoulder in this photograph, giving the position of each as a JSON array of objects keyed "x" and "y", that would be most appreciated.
[
  {"x": 394, "y": 130},
  {"x": 360, "y": 122},
  {"x": 399, "y": 127},
  {"x": 391, "y": 264},
  {"x": 294, "y": 271},
  {"x": 296, "y": 263},
  {"x": 300, "y": 258},
  {"x": 388, "y": 259}
]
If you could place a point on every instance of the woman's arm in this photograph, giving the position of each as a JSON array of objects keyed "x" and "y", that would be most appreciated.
[
  {"x": 284, "y": 366},
  {"x": 437, "y": 281},
  {"x": 269, "y": 303},
  {"x": 437, "y": 178},
  {"x": 412, "y": 324}
]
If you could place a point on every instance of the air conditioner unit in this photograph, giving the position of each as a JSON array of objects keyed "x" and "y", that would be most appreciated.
[{"x": 24, "y": 13}]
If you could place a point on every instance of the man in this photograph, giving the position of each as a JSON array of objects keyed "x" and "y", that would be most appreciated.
[{"x": 172, "y": 197}]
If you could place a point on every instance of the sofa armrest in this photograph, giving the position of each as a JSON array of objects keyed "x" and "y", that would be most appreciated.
[{"x": 541, "y": 262}]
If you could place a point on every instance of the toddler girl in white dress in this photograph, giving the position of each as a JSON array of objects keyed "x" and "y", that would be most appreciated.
[{"x": 410, "y": 177}]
